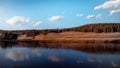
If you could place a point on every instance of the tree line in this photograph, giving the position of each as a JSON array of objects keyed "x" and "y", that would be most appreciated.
[{"x": 98, "y": 28}]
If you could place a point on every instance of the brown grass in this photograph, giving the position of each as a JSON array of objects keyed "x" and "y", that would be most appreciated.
[{"x": 80, "y": 37}]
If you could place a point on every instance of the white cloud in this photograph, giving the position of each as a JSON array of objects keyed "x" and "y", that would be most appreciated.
[
  {"x": 99, "y": 16},
  {"x": 90, "y": 16},
  {"x": 113, "y": 4},
  {"x": 79, "y": 14},
  {"x": 114, "y": 11},
  {"x": 37, "y": 24},
  {"x": 17, "y": 20},
  {"x": 56, "y": 18}
]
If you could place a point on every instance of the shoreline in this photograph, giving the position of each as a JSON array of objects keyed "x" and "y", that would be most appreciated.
[
  {"x": 73, "y": 41},
  {"x": 65, "y": 41},
  {"x": 70, "y": 37}
]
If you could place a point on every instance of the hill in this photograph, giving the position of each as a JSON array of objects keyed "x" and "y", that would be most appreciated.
[
  {"x": 102, "y": 32},
  {"x": 100, "y": 27},
  {"x": 97, "y": 28}
]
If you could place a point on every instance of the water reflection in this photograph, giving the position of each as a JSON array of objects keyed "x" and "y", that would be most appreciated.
[
  {"x": 55, "y": 58},
  {"x": 89, "y": 48},
  {"x": 16, "y": 55},
  {"x": 7, "y": 44},
  {"x": 37, "y": 52},
  {"x": 59, "y": 55},
  {"x": 114, "y": 65},
  {"x": 79, "y": 61},
  {"x": 91, "y": 59}
]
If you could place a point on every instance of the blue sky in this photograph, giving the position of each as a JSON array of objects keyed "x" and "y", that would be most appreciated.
[{"x": 49, "y": 14}]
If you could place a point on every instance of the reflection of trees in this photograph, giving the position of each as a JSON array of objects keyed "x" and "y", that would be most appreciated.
[
  {"x": 29, "y": 44},
  {"x": 92, "y": 48},
  {"x": 99, "y": 48},
  {"x": 5, "y": 44}
]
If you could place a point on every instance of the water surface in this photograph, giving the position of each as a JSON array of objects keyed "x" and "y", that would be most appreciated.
[{"x": 58, "y": 55}]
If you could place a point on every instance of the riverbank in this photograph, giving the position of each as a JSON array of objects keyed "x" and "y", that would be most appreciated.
[{"x": 77, "y": 37}]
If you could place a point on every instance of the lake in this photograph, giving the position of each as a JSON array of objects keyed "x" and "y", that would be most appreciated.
[{"x": 59, "y": 55}]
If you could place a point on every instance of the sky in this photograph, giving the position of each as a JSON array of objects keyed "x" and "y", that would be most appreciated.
[{"x": 52, "y": 14}]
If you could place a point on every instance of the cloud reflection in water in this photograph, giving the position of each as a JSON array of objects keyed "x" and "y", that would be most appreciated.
[
  {"x": 16, "y": 55},
  {"x": 55, "y": 58}
]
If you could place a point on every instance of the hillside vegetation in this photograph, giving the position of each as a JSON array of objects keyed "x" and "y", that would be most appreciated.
[
  {"x": 105, "y": 32},
  {"x": 102, "y": 27},
  {"x": 97, "y": 28}
]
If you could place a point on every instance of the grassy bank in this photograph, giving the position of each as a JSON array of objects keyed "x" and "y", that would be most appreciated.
[{"x": 77, "y": 37}]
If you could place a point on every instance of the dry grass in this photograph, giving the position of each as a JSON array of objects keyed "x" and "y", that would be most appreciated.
[
  {"x": 24, "y": 37},
  {"x": 80, "y": 37}
]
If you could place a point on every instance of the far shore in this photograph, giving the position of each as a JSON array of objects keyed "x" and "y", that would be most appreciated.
[
  {"x": 89, "y": 33},
  {"x": 71, "y": 37},
  {"x": 75, "y": 37}
]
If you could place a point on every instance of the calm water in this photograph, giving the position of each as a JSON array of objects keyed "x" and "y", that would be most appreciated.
[{"x": 58, "y": 55}]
